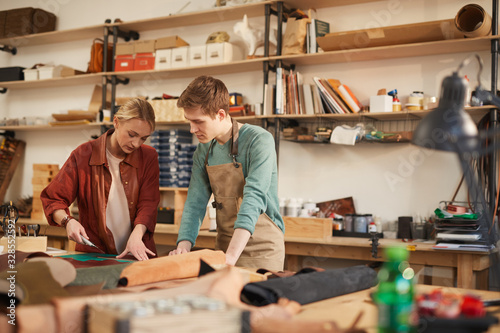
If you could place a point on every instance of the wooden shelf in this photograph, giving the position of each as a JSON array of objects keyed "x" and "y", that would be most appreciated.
[
  {"x": 215, "y": 15},
  {"x": 218, "y": 69},
  {"x": 55, "y": 82},
  {"x": 304, "y": 5},
  {"x": 32, "y": 128},
  {"x": 52, "y": 37},
  {"x": 391, "y": 52}
]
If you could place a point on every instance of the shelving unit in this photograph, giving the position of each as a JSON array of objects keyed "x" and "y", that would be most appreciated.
[{"x": 259, "y": 9}]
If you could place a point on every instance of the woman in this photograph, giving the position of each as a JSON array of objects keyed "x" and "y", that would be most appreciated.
[{"x": 115, "y": 180}]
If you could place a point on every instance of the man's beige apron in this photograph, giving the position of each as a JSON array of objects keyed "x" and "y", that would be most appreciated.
[{"x": 266, "y": 247}]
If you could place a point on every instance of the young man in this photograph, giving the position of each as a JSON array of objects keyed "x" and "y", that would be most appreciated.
[{"x": 237, "y": 163}]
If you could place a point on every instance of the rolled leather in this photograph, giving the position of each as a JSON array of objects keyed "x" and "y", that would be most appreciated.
[
  {"x": 306, "y": 288},
  {"x": 180, "y": 266}
]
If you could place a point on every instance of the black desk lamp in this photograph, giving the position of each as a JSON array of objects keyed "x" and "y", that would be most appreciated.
[{"x": 450, "y": 128}]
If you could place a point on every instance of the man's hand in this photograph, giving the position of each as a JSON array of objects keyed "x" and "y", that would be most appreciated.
[
  {"x": 136, "y": 246},
  {"x": 182, "y": 247}
]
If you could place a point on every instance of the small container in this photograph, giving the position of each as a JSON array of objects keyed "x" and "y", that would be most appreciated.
[
  {"x": 338, "y": 223},
  {"x": 348, "y": 222},
  {"x": 293, "y": 208},
  {"x": 360, "y": 224}
]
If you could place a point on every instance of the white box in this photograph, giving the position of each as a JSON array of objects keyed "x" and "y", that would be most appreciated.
[
  {"x": 381, "y": 103},
  {"x": 30, "y": 74},
  {"x": 180, "y": 57},
  {"x": 198, "y": 55},
  {"x": 50, "y": 72},
  {"x": 163, "y": 59},
  {"x": 218, "y": 53}
]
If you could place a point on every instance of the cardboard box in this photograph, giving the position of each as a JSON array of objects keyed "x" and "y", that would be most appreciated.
[
  {"x": 198, "y": 55},
  {"x": 393, "y": 35},
  {"x": 144, "y": 61},
  {"x": 144, "y": 46},
  {"x": 50, "y": 72},
  {"x": 124, "y": 62},
  {"x": 180, "y": 57},
  {"x": 170, "y": 42},
  {"x": 125, "y": 48},
  {"x": 163, "y": 59},
  {"x": 218, "y": 53},
  {"x": 30, "y": 74}
]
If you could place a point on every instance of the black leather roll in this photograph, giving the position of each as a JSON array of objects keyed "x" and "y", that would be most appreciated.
[{"x": 311, "y": 287}]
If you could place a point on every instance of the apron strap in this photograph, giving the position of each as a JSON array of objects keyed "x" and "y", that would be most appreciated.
[{"x": 234, "y": 142}]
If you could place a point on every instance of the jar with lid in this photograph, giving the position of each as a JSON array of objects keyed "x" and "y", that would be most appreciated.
[
  {"x": 348, "y": 222},
  {"x": 360, "y": 223},
  {"x": 338, "y": 223}
]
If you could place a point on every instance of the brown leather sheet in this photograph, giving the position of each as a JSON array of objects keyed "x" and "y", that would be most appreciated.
[{"x": 180, "y": 266}]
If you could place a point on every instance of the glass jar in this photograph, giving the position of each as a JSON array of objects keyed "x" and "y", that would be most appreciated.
[{"x": 360, "y": 224}]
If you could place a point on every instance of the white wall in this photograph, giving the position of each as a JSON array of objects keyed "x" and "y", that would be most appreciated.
[{"x": 386, "y": 180}]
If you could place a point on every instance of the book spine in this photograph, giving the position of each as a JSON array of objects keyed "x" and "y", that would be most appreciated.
[{"x": 348, "y": 98}]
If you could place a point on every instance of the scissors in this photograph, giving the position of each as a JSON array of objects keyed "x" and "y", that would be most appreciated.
[{"x": 89, "y": 243}]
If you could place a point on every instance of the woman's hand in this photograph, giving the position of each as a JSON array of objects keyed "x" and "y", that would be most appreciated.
[
  {"x": 136, "y": 246},
  {"x": 75, "y": 231}
]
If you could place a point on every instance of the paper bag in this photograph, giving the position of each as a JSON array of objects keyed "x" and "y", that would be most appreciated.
[{"x": 294, "y": 40}]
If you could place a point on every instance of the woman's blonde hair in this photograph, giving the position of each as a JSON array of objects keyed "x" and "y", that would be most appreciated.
[{"x": 137, "y": 108}]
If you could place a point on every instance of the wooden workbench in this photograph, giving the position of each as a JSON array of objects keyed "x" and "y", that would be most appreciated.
[
  {"x": 471, "y": 267},
  {"x": 344, "y": 309}
]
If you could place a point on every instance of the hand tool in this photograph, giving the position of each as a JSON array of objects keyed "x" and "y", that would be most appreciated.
[{"x": 89, "y": 243}]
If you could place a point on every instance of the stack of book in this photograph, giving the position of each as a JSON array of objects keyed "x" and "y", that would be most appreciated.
[{"x": 336, "y": 97}]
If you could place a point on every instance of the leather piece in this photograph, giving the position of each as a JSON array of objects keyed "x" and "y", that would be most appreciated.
[
  {"x": 311, "y": 287},
  {"x": 85, "y": 260},
  {"x": 36, "y": 280},
  {"x": 31, "y": 318},
  {"x": 61, "y": 270},
  {"x": 180, "y": 266},
  {"x": 20, "y": 257},
  {"x": 106, "y": 275}
]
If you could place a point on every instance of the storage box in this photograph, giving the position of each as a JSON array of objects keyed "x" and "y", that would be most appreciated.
[
  {"x": 381, "y": 103},
  {"x": 124, "y": 63},
  {"x": 144, "y": 46},
  {"x": 165, "y": 215},
  {"x": 25, "y": 21},
  {"x": 163, "y": 59},
  {"x": 393, "y": 35},
  {"x": 218, "y": 53},
  {"x": 125, "y": 48},
  {"x": 11, "y": 74},
  {"x": 180, "y": 57},
  {"x": 198, "y": 55},
  {"x": 170, "y": 42},
  {"x": 50, "y": 72},
  {"x": 144, "y": 61},
  {"x": 31, "y": 74}
]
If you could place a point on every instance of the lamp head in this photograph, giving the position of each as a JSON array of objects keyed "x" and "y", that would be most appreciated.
[{"x": 448, "y": 127}]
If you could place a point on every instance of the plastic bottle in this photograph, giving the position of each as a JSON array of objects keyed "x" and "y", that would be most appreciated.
[{"x": 395, "y": 297}]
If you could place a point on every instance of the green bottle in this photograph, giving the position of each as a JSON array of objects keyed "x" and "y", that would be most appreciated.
[{"x": 395, "y": 294}]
